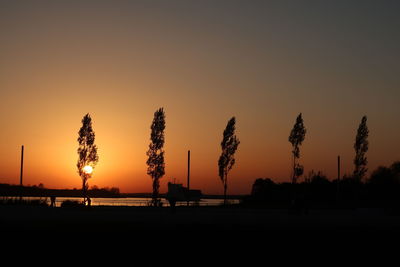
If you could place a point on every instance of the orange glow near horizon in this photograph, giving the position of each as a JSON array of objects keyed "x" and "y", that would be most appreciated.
[{"x": 51, "y": 160}]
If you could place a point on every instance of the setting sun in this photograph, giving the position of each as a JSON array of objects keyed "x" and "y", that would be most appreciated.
[
  {"x": 226, "y": 121},
  {"x": 263, "y": 62},
  {"x": 88, "y": 169}
]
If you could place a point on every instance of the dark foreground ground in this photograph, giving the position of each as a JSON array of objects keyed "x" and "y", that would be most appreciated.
[{"x": 203, "y": 231}]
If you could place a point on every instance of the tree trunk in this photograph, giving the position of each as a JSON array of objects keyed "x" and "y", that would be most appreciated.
[
  {"x": 155, "y": 192},
  {"x": 84, "y": 187},
  {"x": 225, "y": 186},
  {"x": 294, "y": 195},
  {"x": 294, "y": 169}
]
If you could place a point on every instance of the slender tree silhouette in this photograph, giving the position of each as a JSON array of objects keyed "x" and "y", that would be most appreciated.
[
  {"x": 296, "y": 138},
  {"x": 229, "y": 146},
  {"x": 87, "y": 152},
  {"x": 361, "y": 147},
  {"x": 155, "y": 162}
]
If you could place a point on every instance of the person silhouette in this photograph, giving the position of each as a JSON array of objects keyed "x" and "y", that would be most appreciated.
[{"x": 52, "y": 201}]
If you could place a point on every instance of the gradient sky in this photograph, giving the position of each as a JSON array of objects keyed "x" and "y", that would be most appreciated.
[{"x": 204, "y": 62}]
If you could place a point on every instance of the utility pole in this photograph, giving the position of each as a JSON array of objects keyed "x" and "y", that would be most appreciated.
[
  {"x": 21, "y": 171},
  {"x": 188, "y": 177},
  {"x": 188, "y": 171}
]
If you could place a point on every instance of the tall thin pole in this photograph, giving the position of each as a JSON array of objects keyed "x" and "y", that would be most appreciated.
[
  {"x": 188, "y": 171},
  {"x": 188, "y": 176},
  {"x": 21, "y": 171}
]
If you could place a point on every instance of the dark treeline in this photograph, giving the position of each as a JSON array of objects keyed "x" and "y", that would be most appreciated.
[
  {"x": 40, "y": 191},
  {"x": 381, "y": 189}
]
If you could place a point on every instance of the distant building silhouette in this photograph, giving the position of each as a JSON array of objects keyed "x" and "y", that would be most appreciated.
[{"x": 177, "y": 192}]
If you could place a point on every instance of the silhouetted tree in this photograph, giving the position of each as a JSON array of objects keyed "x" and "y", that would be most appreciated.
[
  {"x": 263, "y": 189},
  {"x": 384, "y": 183},
  {"x": 155, "y": 162},
  {"x": 316, "y": 177},
  {"x": 319, "y": 189},
  {"x": 296, "y": 138},
  {"x": 361, "y": 147},
  {"x": 229, "y": 146},
  {"x": 395, "y": 167},
  {"x": 382, "y": 176},
  {"x": 87, "y": 153}
]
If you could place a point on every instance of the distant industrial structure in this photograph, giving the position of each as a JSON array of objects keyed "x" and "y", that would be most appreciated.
[{"x": 177, "y": 192}]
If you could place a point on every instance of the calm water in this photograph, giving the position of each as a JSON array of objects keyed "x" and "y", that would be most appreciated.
[{"x": 131, "y": 201}]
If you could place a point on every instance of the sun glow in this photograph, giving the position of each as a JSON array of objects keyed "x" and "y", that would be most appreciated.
[{"x": 88, "y": 169}]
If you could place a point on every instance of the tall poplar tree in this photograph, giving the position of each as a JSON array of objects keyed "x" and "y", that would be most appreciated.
[
  {"x": 229, "y": 146},
  {"x": 361, "y": 147},
  {"x": 155, "y": 161},
  {"x": 87, "y": 154},
  {"x": 296, "y": 138}
]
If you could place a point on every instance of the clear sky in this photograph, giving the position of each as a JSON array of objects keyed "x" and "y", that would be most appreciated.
[{"x": 204, "y": 62}]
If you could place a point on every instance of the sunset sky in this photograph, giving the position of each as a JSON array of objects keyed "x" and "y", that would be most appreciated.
[{"x": 204, "y": 62}]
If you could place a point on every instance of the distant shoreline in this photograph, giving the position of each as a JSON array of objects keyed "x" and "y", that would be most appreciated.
[{"x": 7, "y": 190}]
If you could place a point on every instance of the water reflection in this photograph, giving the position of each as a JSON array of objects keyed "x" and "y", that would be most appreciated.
[{"x": 133, "y": 202}]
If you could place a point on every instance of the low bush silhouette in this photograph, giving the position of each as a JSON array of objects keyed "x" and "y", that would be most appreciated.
[{"x": 71, "y": 204}]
